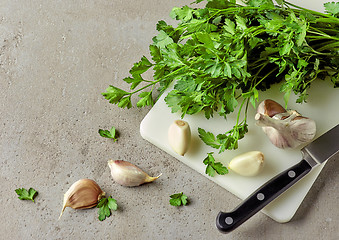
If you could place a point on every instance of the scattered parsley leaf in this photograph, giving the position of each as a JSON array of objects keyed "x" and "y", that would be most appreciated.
[
  {"x": 109, "y": 133},
  {"x": 106, "y": 205},
  {"x": 214, "y": 167},
  {"x": 26, "y": 195},
  {"x": 178, "y": 199}
]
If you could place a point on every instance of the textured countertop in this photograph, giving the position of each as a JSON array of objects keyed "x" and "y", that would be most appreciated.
[{"x": 56, "y": 57}]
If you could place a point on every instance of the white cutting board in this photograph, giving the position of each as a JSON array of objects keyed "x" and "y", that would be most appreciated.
[{"x": 322, "y": 106}]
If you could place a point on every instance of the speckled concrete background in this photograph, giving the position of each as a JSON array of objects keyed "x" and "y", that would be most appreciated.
[{"x": 56, "y": 57}]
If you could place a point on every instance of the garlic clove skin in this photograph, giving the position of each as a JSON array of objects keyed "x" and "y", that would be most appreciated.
[
  {"x": 84, "y": 193},
  {"x": 247, "y": 164},
  {"x": 302, "y": 130},
  {"x": 179, "y": 136},
  {"x": 127, "y": 174},
  {"x": 276, "y": 138},
  {"x": 270, "y": 108}
]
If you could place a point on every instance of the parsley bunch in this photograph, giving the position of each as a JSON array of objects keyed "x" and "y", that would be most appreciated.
[{"x": 221, "y": 56}]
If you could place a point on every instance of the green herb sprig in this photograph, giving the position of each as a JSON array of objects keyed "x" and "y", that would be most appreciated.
[
  {"x": 106, "y": 205},
  {"x": 24, "y": 194},
  {"x": 112, "y": 133},
  {"x": 213, "y": 167},
  {"x": 178, "y": 199}
]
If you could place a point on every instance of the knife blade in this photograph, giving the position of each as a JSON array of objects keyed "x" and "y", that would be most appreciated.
[{"x": 315, "y": 153}]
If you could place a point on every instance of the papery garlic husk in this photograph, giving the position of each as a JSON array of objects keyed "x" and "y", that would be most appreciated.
[
  {"x": 270, "y": 108},
  {"x": 179, "y": 136},
  {"x": 127, "y": 174},
  {"x": 284, "y": 128},
  {"x": 84, "y": 193},
  {"x": 247, "y": 164}
]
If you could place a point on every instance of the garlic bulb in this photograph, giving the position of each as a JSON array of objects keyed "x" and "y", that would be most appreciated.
[
  {"x": 127, "y": 174},
  {"x": 284, "y": 128},
  {"x": 84, "y": 193},
  {"x": 179, "y": 136},
  {"x": 247, "y": 164}
]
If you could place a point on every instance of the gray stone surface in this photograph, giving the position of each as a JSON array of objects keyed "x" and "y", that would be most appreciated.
[{"x": 56, "y": 57}]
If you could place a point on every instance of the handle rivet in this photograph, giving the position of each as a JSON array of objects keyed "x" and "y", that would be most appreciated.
[
  {"x": 229, "y": 220},
  {"x": 291, "y": 174},
  {"x": 260, "y": 196}
]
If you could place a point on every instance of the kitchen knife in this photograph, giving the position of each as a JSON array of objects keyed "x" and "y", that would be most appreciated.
[{"x": 323, "y": 148}]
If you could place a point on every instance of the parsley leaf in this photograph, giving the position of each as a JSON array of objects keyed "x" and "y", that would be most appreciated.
[
  {"x": 228, "y": 140},
  {"x": 109, "y": 133},
  {"x": 214, "y": 167},
  {"x": 178, "y": 199},
  {"x": 140, "y": 67},
  {"x": 332, "y": 8},
  {"x": 25, "y": 194},
  {"x": 114, "y": 94},
  {"x": 208, "y": 138},
  {"x": 146, "y": 99},
  {"x": 106, "y": 205}
]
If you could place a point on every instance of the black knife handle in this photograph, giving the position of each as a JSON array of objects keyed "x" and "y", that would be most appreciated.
[{"x": 226, "y": 222}]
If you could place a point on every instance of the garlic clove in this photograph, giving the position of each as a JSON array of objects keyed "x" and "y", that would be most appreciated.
[
  {"x": 84, "y": 193},
  {"x": 247, "y": 164},
  {"x": 127, "y": 174},
  {"x": 179, "y": 136}
]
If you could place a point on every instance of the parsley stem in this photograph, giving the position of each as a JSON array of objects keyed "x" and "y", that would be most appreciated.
[
  {"x": 332, "y": 45},
  {"x": 239, "y": 112},
  {"x": 263, "y": 30},
  {"x": 264, "y": 64},
  {"x": 323, "y": 35},
  {"x": 326, "y": 30},
  {"x": 148, "y": 85},
  {"x": 156, "y": 81},
  {"x": 264, "y": 77},
  {"x": 310, "y": 11}
]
